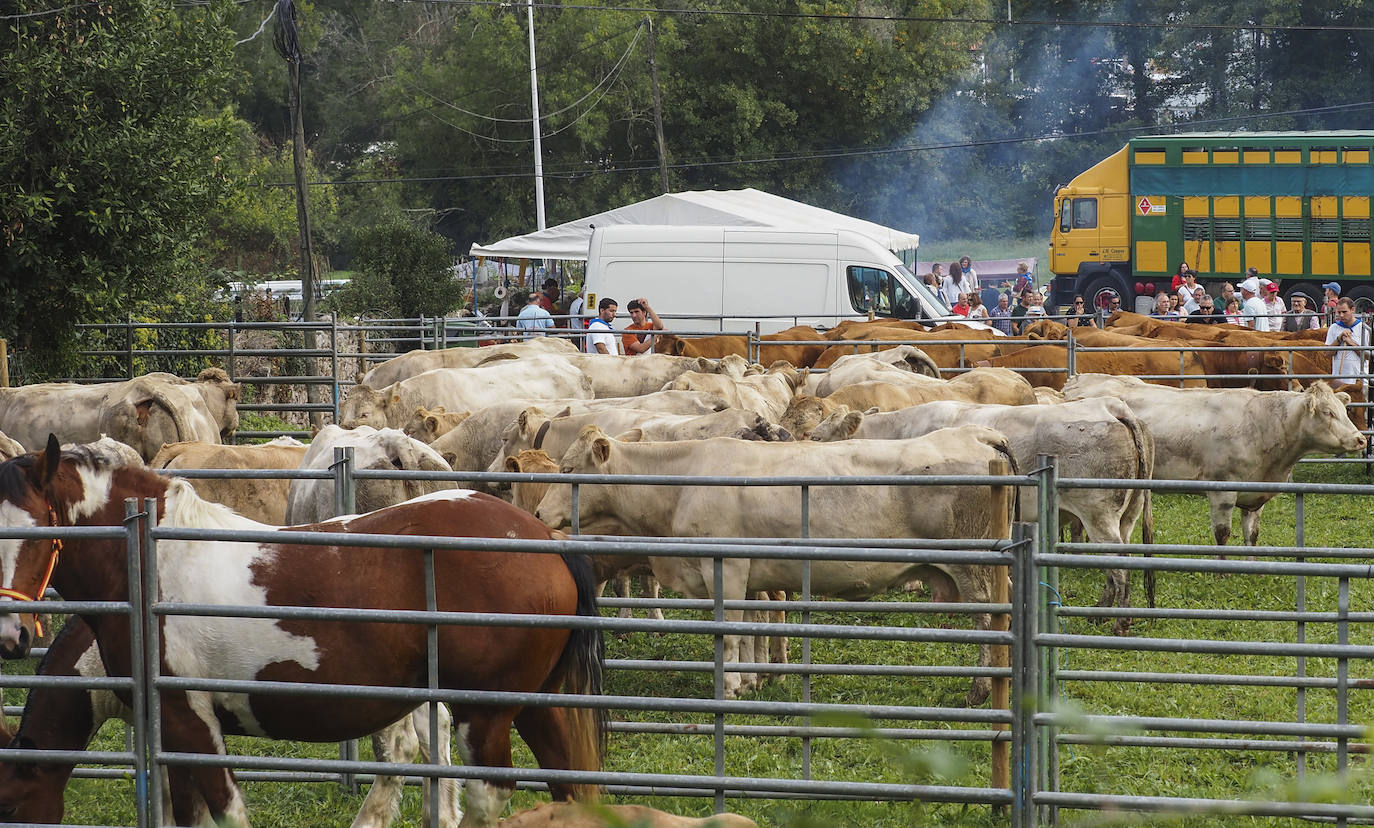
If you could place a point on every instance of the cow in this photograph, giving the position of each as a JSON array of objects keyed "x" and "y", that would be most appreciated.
[
  {"x": 464, "y": 389},
  {"x": 835, "y": 511},
  {"x": 633, "y": 376},
  {"x": 533, "y": 429},
  {"x": 1098, "y": 438},
  {"x": 855, "y": 368},
  {"x": 428, "y": 426},
  {"x": 715, "y": 347},
  {"x": 312, "y": 501},
  {"x": 474, "y": 443},
  {"x": 416, "y": 362},
  {"x": 985, "y": 385},
  {"x": 9, "y": 448},
  {"x": 143, "y": 412},
  {"x": 767, "y": 394},
  {"x": 1239, "y": 368},
  {"x": 1046, "y": 365},
  {"x": 1187, "y": 423},
  {"x": 261, "y": 499}
]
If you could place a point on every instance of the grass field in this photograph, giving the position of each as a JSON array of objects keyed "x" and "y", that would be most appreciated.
[{"x": 1336, "y": 520}]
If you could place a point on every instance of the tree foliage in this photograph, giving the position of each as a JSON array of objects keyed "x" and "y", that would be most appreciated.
[
  {"x": 110, "y": 158},
  {"x": 403, "y": 271}
]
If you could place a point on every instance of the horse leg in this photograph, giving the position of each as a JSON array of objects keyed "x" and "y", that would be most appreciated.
[
  {"x": 486, "y": 737},
  {"x": 396, "y": 742},
  {"x": 450, "y": 811},
  {"x": 188, "y": 731}
]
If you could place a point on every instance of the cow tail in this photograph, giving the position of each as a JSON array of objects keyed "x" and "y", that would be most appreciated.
[
  {"x": 582, "y": 666},
  {"x": 1144, "y": 466},
  {"x": 1011, "y": 495}
]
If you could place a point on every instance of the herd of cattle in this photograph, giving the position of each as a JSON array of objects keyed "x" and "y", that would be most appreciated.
[
  {"x": 868, "y": 407},
  {"x": 805, "y": 406}
]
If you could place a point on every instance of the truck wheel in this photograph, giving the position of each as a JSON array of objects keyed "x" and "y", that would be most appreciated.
[
  {"x": 1313, "y": 293},
  {"x": 1363, "y": 297},
  {"x": 1100, "y": 290}
]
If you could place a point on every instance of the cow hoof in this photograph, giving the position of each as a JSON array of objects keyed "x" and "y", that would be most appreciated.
[
  {"x": 979, "y": 692},
  {"x": 1122, "y": 627}
]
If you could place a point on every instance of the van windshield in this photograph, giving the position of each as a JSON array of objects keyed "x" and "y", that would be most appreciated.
[{"x": 926, "y": 298}]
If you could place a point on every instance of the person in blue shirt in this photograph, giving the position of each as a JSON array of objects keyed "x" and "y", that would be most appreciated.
[{"x": 533, "y": 319}]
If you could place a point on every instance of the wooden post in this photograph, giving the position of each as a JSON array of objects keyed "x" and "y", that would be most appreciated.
[{"x": 4, "y": 363}]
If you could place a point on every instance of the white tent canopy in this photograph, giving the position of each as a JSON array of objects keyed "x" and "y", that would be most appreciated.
[{"x": 744, "y": 208}]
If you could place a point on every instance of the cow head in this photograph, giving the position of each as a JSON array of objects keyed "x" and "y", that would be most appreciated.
[
  {"x": 588, "y": 454},
  {"x": 1325, "y": 425},
  {"x": 364, "y": 406},
  {"x": 733, "y": 365},
  {"x": 805, "y": 412},
  {"x": 527, "y": 496},
  {"x": 838, "y": 426}
]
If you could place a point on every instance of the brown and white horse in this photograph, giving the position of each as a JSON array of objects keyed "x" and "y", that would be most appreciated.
[
  {"x": 59, "y": 717},
  {"x": 85, "y": 487}
]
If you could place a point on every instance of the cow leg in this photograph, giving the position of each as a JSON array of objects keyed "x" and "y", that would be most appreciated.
[
  {"x": 777, "y": 645},
  {"x": 450, "y": 811},
  {"x": 655, "y": 591},
  {"x": 1222, "y": 503},
  {"x": 394, "y": 743},
  {"x": 1249, "y": 524},
  {"x": 623, "y": 590}
]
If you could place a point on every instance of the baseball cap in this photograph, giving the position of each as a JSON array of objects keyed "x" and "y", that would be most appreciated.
[
  {"x": 1271, "y": 287},
  {"x": 1332, "y": 286},
  {"x": 1251, "y": 284}
]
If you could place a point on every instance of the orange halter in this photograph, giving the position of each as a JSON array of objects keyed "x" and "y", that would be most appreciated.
[{"x": 47, "y": 576}]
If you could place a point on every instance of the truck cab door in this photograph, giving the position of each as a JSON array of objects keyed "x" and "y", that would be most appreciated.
[{"x": 1077, "y": 235}]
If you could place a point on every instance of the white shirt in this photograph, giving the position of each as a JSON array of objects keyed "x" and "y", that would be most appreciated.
[
  {"x": 1255, "y": 315},
  {"x": 599, "y": 330},
  {"x": 1347, "y": 364},
  {"x": 950, "y": 290},
  {"x": 969, "y": 284},
  {"x": 1185, "y": 295}
]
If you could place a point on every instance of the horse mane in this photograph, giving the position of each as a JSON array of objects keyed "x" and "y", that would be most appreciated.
[{"x": 188, "y": 509}]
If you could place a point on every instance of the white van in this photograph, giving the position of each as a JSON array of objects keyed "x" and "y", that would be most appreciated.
[{"x": 708, "y": 278}]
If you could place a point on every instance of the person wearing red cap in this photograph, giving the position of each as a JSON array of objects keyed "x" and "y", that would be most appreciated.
[{"x": 1273, "y": 303}]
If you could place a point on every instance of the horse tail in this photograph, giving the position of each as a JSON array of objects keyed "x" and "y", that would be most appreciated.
[{"x": 582, "y": 666}]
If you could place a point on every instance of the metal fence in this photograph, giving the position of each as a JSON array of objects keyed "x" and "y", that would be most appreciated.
[{"x": 1029, "y": 729}]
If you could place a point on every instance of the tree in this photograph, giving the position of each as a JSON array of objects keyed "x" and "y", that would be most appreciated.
[
  {"x": 402, "y": 270},
  {"x": 109, "y": 161}
]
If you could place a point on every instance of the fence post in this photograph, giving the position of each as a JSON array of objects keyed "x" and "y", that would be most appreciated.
[
  {"x": 334, "y": 357},
  {"x": 1025, "y": 678},
  {"x": 138, "y": 660},
  {"x": 345, "y": 497},
  {"x": 1070, "y": 357},
  {"x": 718, "y": 670},
  {"x": 1047, "y": 519},
  {"x": 152, "y": 667},
  {"x": 4, "y": 363},
  {"x": 805, "y": 619}
]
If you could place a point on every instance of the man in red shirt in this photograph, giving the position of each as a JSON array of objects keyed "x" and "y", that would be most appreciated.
[{"x": 642, "y": 318}]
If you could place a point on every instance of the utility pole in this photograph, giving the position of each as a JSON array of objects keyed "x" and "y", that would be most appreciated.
[
  {"x": 658, "y": 110},
  {"x": 538, "y": 148},
  {"x": 288, "y": 45}
]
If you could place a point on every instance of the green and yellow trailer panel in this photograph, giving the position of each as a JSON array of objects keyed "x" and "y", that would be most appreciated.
[{"x": 1295, "y": 206}]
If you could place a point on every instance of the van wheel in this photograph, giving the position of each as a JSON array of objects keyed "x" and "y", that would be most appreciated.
[{"x": 1099, "y": 291}]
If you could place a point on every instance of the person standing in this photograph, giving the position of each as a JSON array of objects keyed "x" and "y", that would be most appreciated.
[
  {"x": 1300, "y": 319},
  {"x": 643, "y": 319},
  {"x": 1206, "y": 313},
  {"x": 533, "y": 318},
  {"x": 1273, "y": 304},
  {"x": 969, "y": 284},
  {"x": 1185, "y": 292},
  {"x": 601, "y": 337},
  {"x": 952, "y": 285},
  {"x": 1332, "y": 293},
  {"x": 1023, "y": 279},
  {"x": 935, "y": 278},
  {"x": 1018, "y": 313},
  {"x": 1253, "y": 313},
  {"x": 1228, "y": 292},
  {"x": 548, "y": 296},
  {"x": 1351, "y": 335},
  {"x": 961, "y": 306},
  {"x": 1001, "y": 315}
]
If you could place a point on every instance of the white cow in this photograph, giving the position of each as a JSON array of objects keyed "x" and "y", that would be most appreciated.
[
  {"x": 1230, "y": 434},
  {"x": 767, "y": 394},
  {"x": 417, "y": 362},
  {"x": 261, "y": 499},
  {"x": 1099, "y": 438},
  {"x": 464, "y": 389},
  {"x": 312, "y": 501},
  {"x": 855, "y": 368},
  {"x": 835, "y": 511}
]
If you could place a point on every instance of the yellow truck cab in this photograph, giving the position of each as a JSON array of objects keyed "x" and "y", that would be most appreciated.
[{"x": 1293, "y": 205}]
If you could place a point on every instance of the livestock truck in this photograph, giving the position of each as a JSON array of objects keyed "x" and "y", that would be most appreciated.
[{"x": 1293, "y": 205}]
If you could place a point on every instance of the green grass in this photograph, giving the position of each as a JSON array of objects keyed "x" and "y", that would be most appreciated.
[{"x": 1331, "y": 520}]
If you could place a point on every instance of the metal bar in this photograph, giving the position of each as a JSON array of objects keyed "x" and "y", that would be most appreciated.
[
  {"x": 806, "y": 619},
  {"x": 344, "y": 496},
  {"x": 718, "y": 681},
  {"x": 153, "y": 650},
  {"x": 1301, "y": 607},
  {"x": 138, "y": 656},
  {"x": 432, "y": 674}
]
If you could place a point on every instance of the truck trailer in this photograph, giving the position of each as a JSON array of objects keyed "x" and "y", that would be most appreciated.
[{"x": 1293, "y": 205}]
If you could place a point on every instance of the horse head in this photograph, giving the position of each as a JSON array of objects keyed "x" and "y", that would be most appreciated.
[
  {"x": 28, "y": 487},
  {"x": 31, "y": 792}
]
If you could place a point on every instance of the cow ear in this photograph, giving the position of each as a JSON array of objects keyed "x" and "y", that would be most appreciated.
[
  {"x": 850, "y": 423},
  {"x": 873, "y": 410},
  {"x": 1343, "y": 397},
  {"x": 705, "y": 366},
  {"x": 432, "y": 422},
  {"x": 450, "y": 457},
  {"x": 634, "y": 435},
  {"x": 566, "y": 412},
  {"x": 679, "y": 347},
  {"x": 513, "y": 464},
  {"x": 395, "y": 399},
  {"x": 601, "y": 449}
]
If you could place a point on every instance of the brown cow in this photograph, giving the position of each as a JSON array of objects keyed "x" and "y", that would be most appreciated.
[
  {"x": 715, "y": 347},
  {"x": 1044, "y": 365},
  {"x": 948, "y": 357}
]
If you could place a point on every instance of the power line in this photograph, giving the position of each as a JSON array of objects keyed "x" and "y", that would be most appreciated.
[
  {"x": 572, "y": 173},
  {"x": 884, "y": 18}
]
